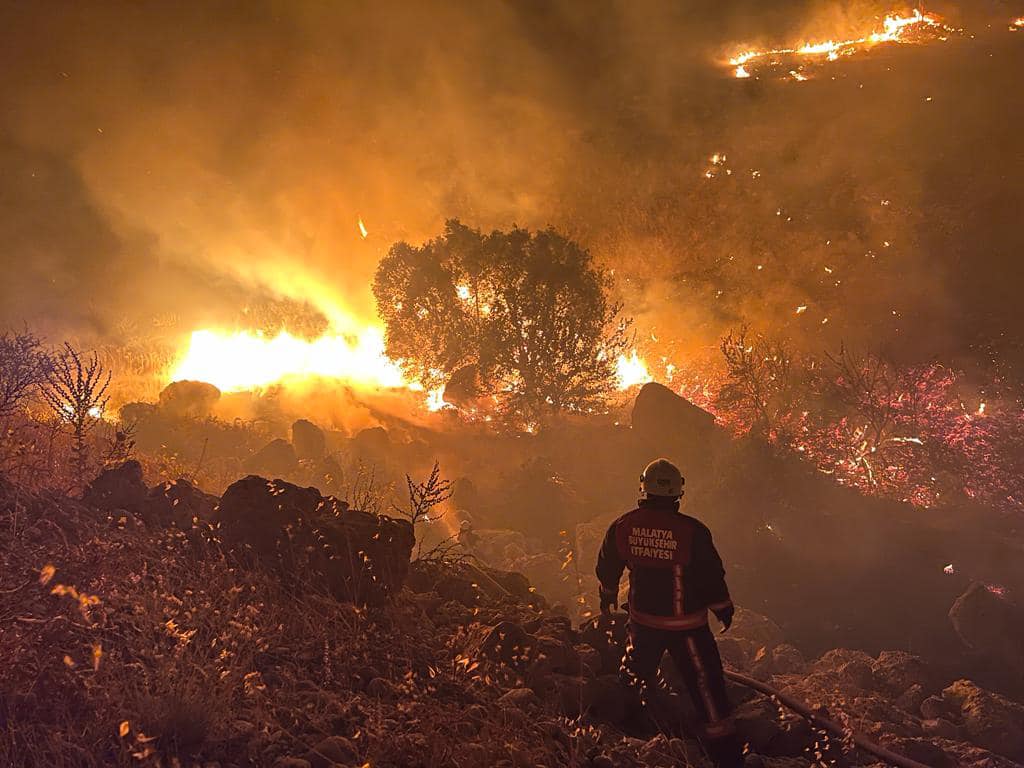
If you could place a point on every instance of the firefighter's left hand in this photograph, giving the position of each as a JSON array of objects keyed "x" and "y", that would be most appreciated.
[{"x": 725, "y": 616}]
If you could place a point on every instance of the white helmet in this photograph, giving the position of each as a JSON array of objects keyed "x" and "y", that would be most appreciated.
[{"x": 662, "y": 478}]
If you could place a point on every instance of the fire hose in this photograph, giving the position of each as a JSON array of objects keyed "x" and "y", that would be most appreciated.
[{"x": 824, "y": 723}]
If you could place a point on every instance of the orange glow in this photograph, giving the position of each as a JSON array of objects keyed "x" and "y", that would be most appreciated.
[
  {"x": 631, "y": 371},
  {"x": 245, "y": 360}
]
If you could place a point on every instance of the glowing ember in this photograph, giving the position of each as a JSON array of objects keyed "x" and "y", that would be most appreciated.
[
  {"x": 244, "y": 360},
  {"x": 1017, "y": 24},
  {"x": 895, "y": 29},
  {"x": 362, "y": 229},
  {"x": 631, "y": 371}
]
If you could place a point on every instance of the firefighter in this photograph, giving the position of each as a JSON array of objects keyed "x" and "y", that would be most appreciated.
[{"x": 675, "y": 578}]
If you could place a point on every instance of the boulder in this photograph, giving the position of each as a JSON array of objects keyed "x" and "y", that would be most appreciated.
[
  {"x": 364, "y": 557},
  {"x": 136, "y": 413},
  {"x": 189, "y": 399},
  {"x": 277, "y": 458},
  {"x": 507, "y": 643},
  {"x": 990, "y": 625},
  {"x": 990, "y": 720},
  {"x": 783, "y": 659},
  {"x": 759, "y": 723},
  {"x": 755, "y": 628},
  {"x": 177, "y": 504},
  {"x": 120, "y": 488},
  {"x": 253, "y": 512},
  {"x": 551, "y": 655},
  {"x": 371, "y": 443},
  {"x": 607, "y": 635},
  {"x": 660, "y": 412},
  {"x": 898, "y": 671},
  {"x": 358, "y": 556},
  {"x": 308, "y": 440}
]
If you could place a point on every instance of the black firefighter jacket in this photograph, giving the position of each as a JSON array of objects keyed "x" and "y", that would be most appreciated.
[{"x": 675, "y": 573}]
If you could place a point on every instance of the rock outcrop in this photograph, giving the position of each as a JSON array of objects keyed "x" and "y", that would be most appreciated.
[
  {"x": 992, "y": 627},
  {"x": 358, "y": 556},
  {"x": 276, "y": 458},
  {"x": 189, "y": 399},
  {"x": 308, "y": 440},
  {"x": 658, "y": 411},
  {"x": 121, "y": 487}
]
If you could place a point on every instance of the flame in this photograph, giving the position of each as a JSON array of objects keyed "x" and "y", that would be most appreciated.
[
  {"x": 362, "y": 229},
  {"x": 435, "y": 400},
  {"x": 246, "y": 360},
  {"x": 893, "y": 30},
  {"x": 1017, "y": 24},
  {"x": 631, "y": 371}
]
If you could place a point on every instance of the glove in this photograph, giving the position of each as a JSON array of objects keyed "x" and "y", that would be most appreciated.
[
  {"x": 607, "y": 603},
  {"x": 725, "y": 615}
]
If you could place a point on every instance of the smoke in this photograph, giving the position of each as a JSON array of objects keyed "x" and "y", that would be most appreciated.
[{"x": 170, "y": 165}]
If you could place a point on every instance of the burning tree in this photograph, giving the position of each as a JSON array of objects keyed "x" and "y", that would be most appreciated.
[
  {"x": 527, "y": 315},
  {"x": 76, "y": 391}
]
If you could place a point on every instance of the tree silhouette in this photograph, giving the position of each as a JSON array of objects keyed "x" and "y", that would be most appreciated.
[
  {"x": 23, "y": 367},
  {"x": 76, "y": 391}
]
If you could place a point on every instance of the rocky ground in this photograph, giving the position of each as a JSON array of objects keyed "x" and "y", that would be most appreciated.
[{"x": 277, "y": 627}]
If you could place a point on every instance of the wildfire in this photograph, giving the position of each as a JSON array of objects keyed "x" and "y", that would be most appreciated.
[
  {"x": 245, "y": 360},
  {"x": 436, "y": 401},
  {"x": 631, "y": 371},
  {"x": 895, "y": 29}
]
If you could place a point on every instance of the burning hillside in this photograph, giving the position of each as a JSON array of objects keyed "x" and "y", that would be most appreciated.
[
  {"x": 334, "y": 337},
  {"x": 798, "y": 62}
]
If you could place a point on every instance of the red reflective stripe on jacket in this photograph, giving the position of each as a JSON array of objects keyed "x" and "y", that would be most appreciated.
[{"x": 686, "y": 621}]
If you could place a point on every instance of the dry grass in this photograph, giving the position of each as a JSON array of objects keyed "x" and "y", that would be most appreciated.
[{"x": 146, "y": 648}]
